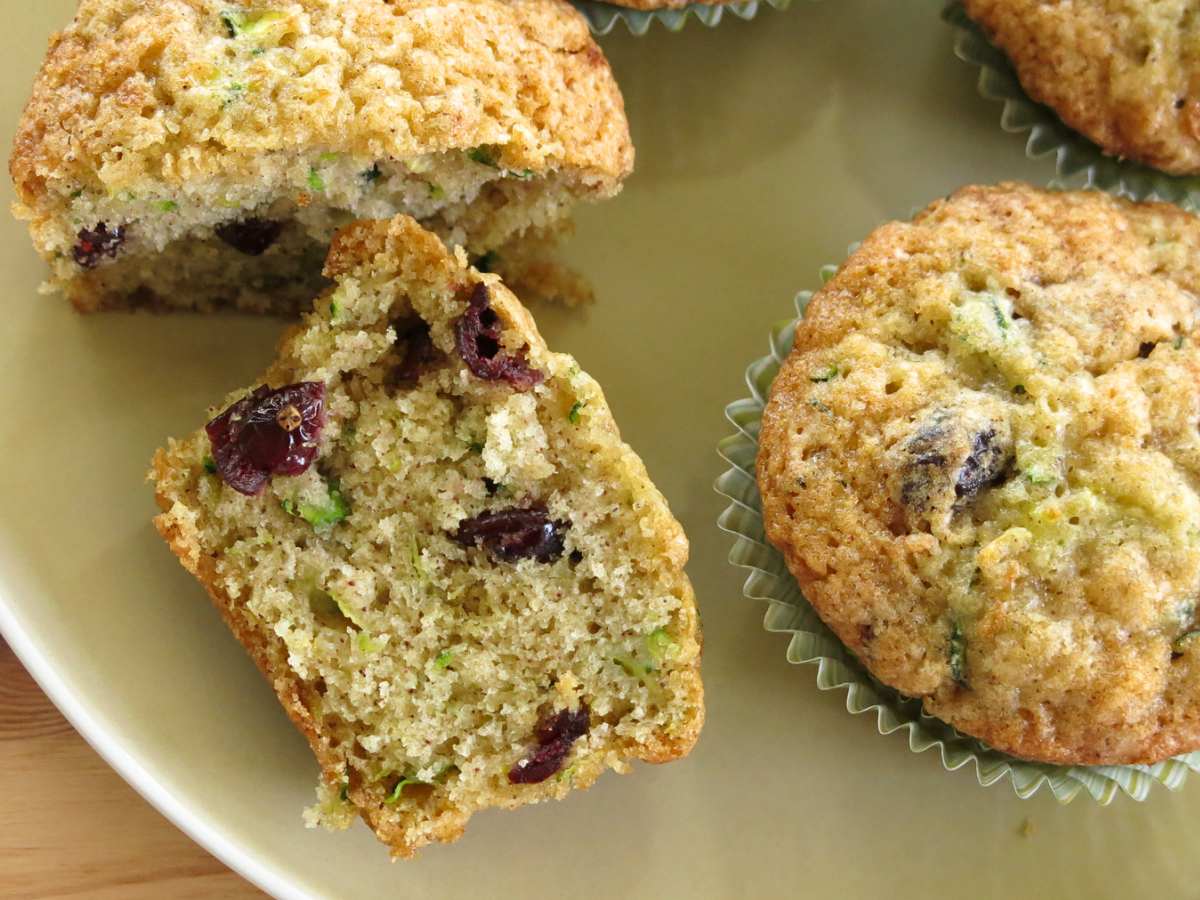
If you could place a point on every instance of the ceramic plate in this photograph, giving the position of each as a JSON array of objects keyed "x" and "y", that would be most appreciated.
[{"x": 764, "y": 147}]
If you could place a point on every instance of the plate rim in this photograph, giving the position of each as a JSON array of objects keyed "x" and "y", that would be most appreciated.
[{"x": 88, "y": 724}]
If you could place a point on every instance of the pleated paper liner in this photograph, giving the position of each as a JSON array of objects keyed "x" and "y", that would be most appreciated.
[
  {"x": 811, "y": 642},
  {"x": 1074, "y": 155},
  {"x": 603, "y": 17}
]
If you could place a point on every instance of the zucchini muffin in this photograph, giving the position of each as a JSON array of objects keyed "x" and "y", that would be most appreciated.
[
  {"x": 1125, "y": 75},
  {"x": 425, "y": 528},
  {"x": 197, "y": 153},
  {"x": 981, "y": 462}
]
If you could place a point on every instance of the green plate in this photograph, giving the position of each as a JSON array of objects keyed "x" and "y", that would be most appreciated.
[{"x": 763, "y": 150}]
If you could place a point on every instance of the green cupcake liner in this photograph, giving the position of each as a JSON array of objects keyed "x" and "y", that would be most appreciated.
[
  {"x": 1073, "y": 153},
  {"x": 603, "y": 17},
  {"x": 837, "y": 668}
]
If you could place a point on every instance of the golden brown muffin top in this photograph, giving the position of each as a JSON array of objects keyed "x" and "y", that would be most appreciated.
[
  {"x": 982, "y": 463},
  {"x": 133, "y": 92}
]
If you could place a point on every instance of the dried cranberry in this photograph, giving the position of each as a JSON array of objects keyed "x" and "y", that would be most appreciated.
[
  {"x": 566, "y": 724},
  {"x": 269, "y": 432},
  {"x": 984, "y": 464},
  {"x": 947, "y": 452},
  {"x": 478, "y": 334},
  {"x": 542, "y": 762},
  {"x": 96, "y": 243},
  {"x": 555, "y": 735},
  {"x": 512, "y": 534},
  {"x": 250, "y": 236},
  {"x": 419, "y": 352}
]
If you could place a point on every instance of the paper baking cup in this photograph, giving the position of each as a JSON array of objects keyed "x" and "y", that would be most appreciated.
[
  {"x": 603, "y": 17},
  {"x": 811, "y": 642},
  {"x": 1074, "y": 155}
]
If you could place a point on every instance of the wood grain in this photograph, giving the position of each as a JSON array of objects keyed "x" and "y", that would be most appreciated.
[{"x": 70, "y": 827}]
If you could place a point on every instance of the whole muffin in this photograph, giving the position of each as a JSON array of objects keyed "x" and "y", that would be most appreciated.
[
  {"x": 1125, "y": 75},
  {"x": 981, "y": 462}
]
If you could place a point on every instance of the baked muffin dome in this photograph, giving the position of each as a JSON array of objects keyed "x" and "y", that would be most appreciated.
[{"x": 982, "y": 462}]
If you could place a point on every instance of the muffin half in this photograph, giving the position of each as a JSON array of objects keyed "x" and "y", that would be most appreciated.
[
  {"x": 201, "y": 154},
  {"x": 425, "y": 528}
]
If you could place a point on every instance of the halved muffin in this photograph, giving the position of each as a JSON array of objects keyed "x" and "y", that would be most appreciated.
[
  {"x": 202, "y": 154},
  {"x": 426, "y": 529}
]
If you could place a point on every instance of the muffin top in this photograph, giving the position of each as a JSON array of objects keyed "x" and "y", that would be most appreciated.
[
  {"x": 135, "y": 93},
  {"x": 1124, "y": 74},
  {"x": 981, "y": 462}
]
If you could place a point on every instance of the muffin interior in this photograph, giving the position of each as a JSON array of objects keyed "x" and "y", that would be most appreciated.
[
  {"x": 427, "y": 662},
  {"x": 259, "y": 246}
]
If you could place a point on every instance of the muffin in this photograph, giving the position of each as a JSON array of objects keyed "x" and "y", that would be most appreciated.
[
  {"x": 198, "y": 155},
  {"x": 1121, "y": 74},
  {"x": 425, "y": 528},
  {"x": 979, "y": 462}
]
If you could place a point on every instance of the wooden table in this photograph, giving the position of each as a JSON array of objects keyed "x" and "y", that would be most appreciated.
[{"x": 70, "y": 827}]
